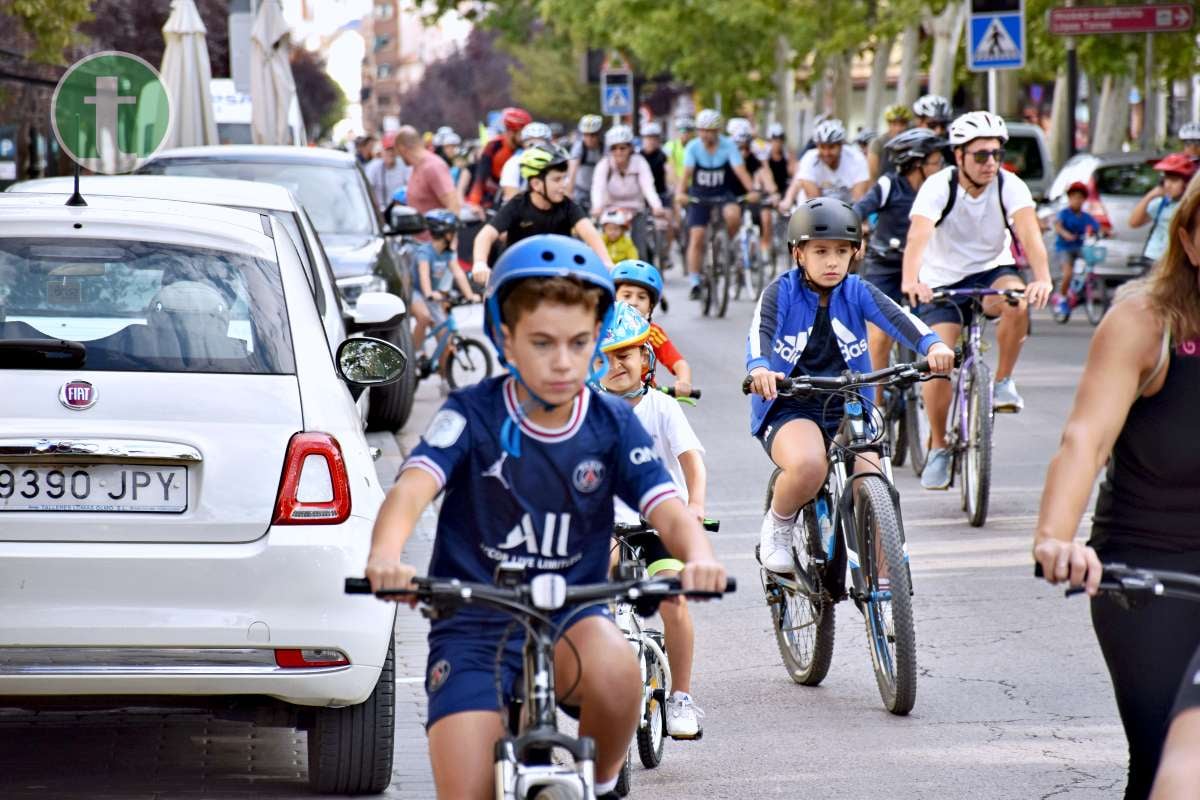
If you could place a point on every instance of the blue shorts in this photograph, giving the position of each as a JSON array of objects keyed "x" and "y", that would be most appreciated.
[
  {"x": 827, "y": 418},
  {"x": 960, "y": 310},
  {"x": 461, "y": 673},
  {"x": 700, "y": 210},
  {"x": 884, "y": 277}
]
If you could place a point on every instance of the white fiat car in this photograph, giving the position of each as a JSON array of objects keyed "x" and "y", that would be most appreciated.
[{"x": 184, "y": 481}]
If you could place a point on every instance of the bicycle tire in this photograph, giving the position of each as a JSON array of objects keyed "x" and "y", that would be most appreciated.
[
  {"x": 1095, "y": 302},
  {"x": 976, "y": 461},
  {"x": 758, "y": 269},
  {"x": 722, "y": 266},
  {"x": 895, "y": 407},
  {"x": 917, "y": 429},
  {"x": 652, "y": 738},
  {"x": 739, "y": 271},
  {"x": 707, "y": 277},
  {"x": 625, "y": 777},
  {"x": 889, "y": 621},
  {"x": 470, "y": 363},
  {"x": 806, "y": 663}
]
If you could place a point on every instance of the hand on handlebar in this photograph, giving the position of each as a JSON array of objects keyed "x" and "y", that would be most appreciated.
[
  {"x": 1037, "y": 293},
  {"x": 389, "y": 573},
  {"x": 763, "y": 382},
  {"x": 917, "y": 292},
  {"x": 940, "y": 358},
  {"x": 1073, "y": 562},
  {"x": 480, "y": 272},
  {"x": 753, "y": 197},
  {"x": 703, "y": 575}
]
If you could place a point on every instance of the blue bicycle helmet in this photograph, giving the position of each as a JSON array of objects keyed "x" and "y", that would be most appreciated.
[
  {"x": 401, "y": 195},
  {"x": 441, "y": 221},
  {"x": 628, "y": 329},
  {"x": 639, "y": 273},
  {"x": 543, "y": 256}
]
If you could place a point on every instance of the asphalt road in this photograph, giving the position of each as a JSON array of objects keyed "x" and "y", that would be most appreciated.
[{"x": 1012, "y": 701}]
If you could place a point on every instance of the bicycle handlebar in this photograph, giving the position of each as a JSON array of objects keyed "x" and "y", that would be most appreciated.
[
  {"x": 893, "y": 374},
  {"x": 448, "y": 594},
  {"x": 1136, "y": 583},
  {"x": 625, "y": 529},
  {"x": 1011, "y": 295},
  {"x": 670, "y": 392}
]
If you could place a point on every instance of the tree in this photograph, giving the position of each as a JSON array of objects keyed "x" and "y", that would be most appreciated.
[
  {"x": 545, "y": 80},
  {"x": 459, "y": 91},
  {"x": 137, "y": 28},
  {"x": 322, "y": 101},
  {"x": 51, "y": 24}
]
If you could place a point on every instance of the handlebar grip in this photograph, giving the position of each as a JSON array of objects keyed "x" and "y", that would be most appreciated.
[
  {"x": 712, "y": 525},
  {"x": 730, "y": 585},
  {"x": 1038, "y": 572},
  {"x": 747, "y": 382},
  {"x": 358, "y": 586},
  {"x": 670, "y": 391}
]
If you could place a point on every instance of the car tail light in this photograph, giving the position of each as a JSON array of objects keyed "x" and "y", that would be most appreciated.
[
  {"x": 307, "y": 659},
  {"x": 1095, "y": 207},
  {"x": 315, "y": 489}
]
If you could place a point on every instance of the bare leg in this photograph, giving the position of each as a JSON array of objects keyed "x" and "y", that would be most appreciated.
[
  {"x": 937, "y": 393},
  {"x": 798, "y": 450},
  {"x": 1010, "y": 331},
  {"x": 695, "y": 249},
  {"x": 460, "y": 751},
  {"x": 680, "y": 635},
  {"x": 732, "y": 213},
  {"x": 1179, "y": 770}
]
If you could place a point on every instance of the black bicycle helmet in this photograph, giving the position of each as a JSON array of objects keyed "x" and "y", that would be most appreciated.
[
  {"x": 824, "y": 218},
  {"x": 914, "y": 144},
  {"x": 441, "y": 221}
]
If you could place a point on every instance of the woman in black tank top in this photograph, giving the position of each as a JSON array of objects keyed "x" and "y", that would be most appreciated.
[{"x": 1137, "y": 409}]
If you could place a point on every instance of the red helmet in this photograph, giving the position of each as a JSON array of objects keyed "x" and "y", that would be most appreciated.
[
  {"x": 1078, "y": 186},
  {"x": 1178, "y": 164},
  {"x": 515, "y": 118}
]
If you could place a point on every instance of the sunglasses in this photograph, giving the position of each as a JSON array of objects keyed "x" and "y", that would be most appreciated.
[{"x": 982, "y": 156}]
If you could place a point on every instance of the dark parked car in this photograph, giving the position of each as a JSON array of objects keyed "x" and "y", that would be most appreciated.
[{"x": 366, "y": 254}]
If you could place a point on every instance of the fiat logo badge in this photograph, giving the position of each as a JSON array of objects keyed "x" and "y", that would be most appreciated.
[{"x": 77, "y": 395}]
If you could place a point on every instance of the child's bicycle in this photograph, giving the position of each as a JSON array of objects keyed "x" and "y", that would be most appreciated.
[
  {"x": 647, "y": 643},
  {"x": 467, "y": 361},
  {"x": 1087, "y": 288},
  {"x": 854, "y": 520},
  {"x": 525, "y": 769}
]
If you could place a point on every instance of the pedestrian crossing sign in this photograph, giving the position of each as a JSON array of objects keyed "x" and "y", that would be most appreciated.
[
  {"x": 996, "y": 39},
  {"x": 616, "y": 93}
]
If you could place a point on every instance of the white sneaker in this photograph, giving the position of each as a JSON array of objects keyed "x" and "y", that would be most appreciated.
[
  {"x": 775, "y": 545},
  {"x": 1005, "y": 398},
  {"x": 683, "y": 717}
]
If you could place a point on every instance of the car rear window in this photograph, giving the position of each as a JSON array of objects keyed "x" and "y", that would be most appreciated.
[
  {"x": 143, "y": 306},
  {"x": 1128, "y": 180},
  {"x": 1024, "y": 157},
  {"x": 335, "y": 197}
]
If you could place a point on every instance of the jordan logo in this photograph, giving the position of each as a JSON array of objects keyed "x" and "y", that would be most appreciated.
[{"x": 497, "y": 471}]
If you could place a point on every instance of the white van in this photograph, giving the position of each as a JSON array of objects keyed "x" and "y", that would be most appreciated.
[{"x": 232, "y": 111}]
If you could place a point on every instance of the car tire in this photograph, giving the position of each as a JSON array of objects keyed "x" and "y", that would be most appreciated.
[
  {"x": 350, "y": 748},
  {"x": 391, "y": 405}
]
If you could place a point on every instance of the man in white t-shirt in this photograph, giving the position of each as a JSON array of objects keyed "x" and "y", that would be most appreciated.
[
  {"x": 626, "y": 345},
  {"x": 830, "y": 169},
  {"x": 960, "y": 239}
]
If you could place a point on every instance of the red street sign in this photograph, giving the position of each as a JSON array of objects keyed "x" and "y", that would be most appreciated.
[{"x": 1121, "y": 19}]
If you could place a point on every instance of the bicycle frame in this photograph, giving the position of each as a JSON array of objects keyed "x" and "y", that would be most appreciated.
[{"x": 443, "y": 335}]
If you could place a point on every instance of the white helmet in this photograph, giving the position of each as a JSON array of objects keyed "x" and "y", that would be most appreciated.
[
  {"x": 652, "y": 129},
  {"x": 590, "y": 123},
  {"x": 440, "y": 136},
  {"x": 933, "y": 106},
  {"x": 775, "y": 131},
  {"x": 977, "y": 125},
  {"x": 1189, "y": 132},
  {"x": 535, "y": 132},
  {"x": 684, "y": 122},
  {"x": 451, "y": 138},
  {"x": 708, "y": 120},
  {"x": 830, "y": 131},
  {"x": 618, "y": 134},
  {"x": 614, "y": 216},
  {"x": 737, "y": 126}
]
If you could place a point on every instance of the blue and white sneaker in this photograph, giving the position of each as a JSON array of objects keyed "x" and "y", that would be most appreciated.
[
  {"x": 936, "y": 474},
  {"x": 1005, "y": 399}
]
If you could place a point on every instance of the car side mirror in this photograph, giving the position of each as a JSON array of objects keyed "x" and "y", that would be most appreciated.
[
  {"x": 405, "y": 221},
  {"x": 365, "y": 362},
  {"x": 375, "y": 310}
]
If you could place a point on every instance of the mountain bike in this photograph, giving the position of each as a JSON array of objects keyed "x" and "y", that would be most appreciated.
[
  {"x": 648, "y": 644},
  {"x": 718, "y": 258},
  {"x": 853, "y": 523},
  {"x": 1086, "y": 289},
  {"x": 969, "y": 422},
  {"x": 467, "y": 361},
  {"x": 749, "y": 262},
  {"x": 524, "y": 767}
]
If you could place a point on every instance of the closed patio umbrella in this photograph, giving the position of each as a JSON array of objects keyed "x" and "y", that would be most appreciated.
[
  {"x": 187, "y": 75},
  {"x": 271, "y": 86}
]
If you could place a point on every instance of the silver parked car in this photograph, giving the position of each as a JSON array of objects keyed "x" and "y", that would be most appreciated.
[{"x": 1028, "y": 156}]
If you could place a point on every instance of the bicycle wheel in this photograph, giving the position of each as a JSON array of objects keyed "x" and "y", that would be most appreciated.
[
  {"x": 976, "y": 461},
  {"x": 1094, "y": 300},
  {"x": 470, "y": 363},
  {"x": 916, "y": 424},
  {"x": 625, "y": 777},
  {"x": 894, "y": 410},
  {"x": 653, "y": 736},
  {"x": 722, "y": 266},
  {"x": 738, "y": 274},
  {"x": 707, "y": 277},
  {"x": 758, "y": 269},
  {"x": 888, "y": 607},
  {"x": 804, "y": 627}
]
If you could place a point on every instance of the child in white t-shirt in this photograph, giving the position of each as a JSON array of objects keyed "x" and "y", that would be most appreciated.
[{"x": 626, "y": 346}]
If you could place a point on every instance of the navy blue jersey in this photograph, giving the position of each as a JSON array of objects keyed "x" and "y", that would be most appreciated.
[{"x": 551, "y": 509}]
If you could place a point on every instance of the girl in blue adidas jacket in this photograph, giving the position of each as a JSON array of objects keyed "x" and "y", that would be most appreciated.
[{"x": 813, "y": 321}]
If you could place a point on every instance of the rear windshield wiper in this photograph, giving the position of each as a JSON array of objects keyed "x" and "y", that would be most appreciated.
[{"x": 41, "y": 354}]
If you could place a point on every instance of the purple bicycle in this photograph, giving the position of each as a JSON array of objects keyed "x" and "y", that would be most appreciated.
[{"x": 969, "y": 423}]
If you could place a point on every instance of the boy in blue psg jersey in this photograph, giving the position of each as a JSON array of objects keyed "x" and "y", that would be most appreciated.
[
  {"x": 530, "y": 464},
  {"x": 813, "y": 321}
]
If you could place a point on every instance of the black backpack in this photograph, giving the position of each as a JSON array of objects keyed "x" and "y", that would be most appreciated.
[{"x": 1000, "y": 194}]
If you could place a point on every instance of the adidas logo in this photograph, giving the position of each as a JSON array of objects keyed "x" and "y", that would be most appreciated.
[
  {"x": 852, "y": 347},
  {"x": 791, "y": 347}
]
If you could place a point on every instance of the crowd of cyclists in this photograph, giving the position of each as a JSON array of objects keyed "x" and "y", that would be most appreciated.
[{"x": 881, "y": 232}]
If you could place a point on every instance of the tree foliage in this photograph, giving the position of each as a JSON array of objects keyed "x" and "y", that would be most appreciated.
[
  {"x": 322, "y": 101},
  {"x": 459, "y": 91},
  {"x": 52, "y": 24},
  {"x": 546, "y": 80}
]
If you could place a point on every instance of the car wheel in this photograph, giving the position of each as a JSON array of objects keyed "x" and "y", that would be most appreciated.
[
  {"x": 391, "y": 405},
  {"x": 350, "y": 748}
]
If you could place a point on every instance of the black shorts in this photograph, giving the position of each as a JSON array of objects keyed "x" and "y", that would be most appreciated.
[
  {"x": 826, "y": 417},
  {"x": 960, "y": 310},
  {"x": 884, "y": 276}
]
